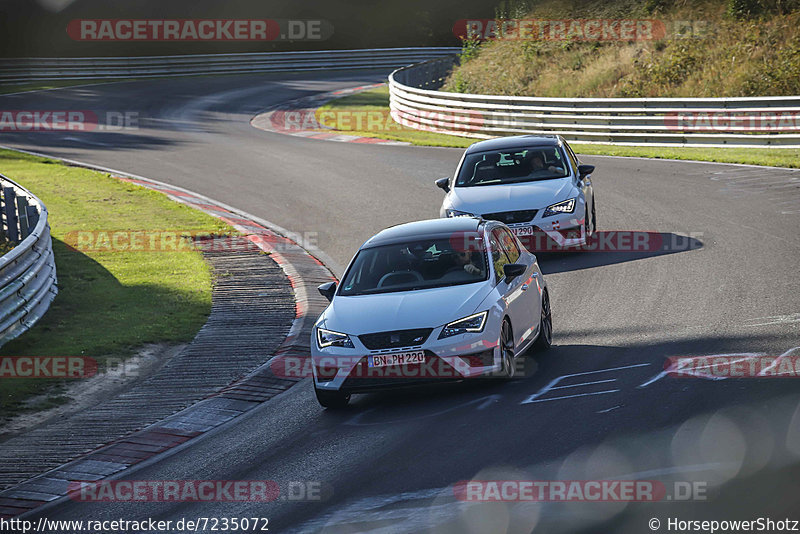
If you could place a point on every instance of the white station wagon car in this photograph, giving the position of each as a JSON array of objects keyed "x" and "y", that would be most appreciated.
[
  {"x": 443, "y": 299},
  {"x": 534, "y": 184}
]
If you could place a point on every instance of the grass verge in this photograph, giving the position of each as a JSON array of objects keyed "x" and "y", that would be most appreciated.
[
  {"x": 377, "y": 100},
  {"x": 109, "y": 303}
]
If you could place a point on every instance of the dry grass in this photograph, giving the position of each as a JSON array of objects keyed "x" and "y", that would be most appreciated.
[{"x": 731, "y": 57}]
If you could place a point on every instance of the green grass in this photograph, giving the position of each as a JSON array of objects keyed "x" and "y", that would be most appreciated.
[
  {"x": 109, "y": 303},
  {"x": 378, "y": 100}
]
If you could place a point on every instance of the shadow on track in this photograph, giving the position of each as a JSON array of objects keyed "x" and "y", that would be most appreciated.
[
  {"x": 609, "y": 248},
  {"x": 110, "y": 141},
  {"x": 537, "y": 370}
]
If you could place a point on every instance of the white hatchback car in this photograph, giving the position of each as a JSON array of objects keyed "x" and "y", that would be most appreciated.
[
  {"x": 534, "y": 184},
  {"x": 443, "y": 299}
]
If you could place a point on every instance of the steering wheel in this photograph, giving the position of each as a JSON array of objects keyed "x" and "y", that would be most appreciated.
[{"x": 388, "y": 276}]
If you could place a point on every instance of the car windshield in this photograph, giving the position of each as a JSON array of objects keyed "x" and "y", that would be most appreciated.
[
  {"x": 511, "y": 166},
  {"x": 417, "y": 265}
]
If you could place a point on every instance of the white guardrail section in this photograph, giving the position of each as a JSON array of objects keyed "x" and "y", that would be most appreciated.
[
  {"x": 28, "y": 271},
  {"x": 24, "y": 70},
  {"x": 708, "y": 122}
]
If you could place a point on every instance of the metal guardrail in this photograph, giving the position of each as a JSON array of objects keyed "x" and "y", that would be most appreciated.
[
  {"x": 28, "y": 271},
  {"x": 22, "y": 70},
  {"x": 707, "y": 122}
]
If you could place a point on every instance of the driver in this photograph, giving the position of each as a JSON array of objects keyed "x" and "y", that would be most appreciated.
[
  {"x": 464, "y": 260},
  {"x": 537, "y": 165}
]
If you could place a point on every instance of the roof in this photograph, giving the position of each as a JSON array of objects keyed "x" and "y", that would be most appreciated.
[
  {"x": 428, "y": 229},
  {"x": 516, "y": 141}
]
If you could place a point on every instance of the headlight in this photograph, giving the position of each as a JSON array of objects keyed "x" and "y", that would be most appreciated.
[
  {"x": 473, "y": 323},
  {"x": 568, "y": 206},
  {"x": 329, "y": 338},
  {"x": 456, "y": 213}
]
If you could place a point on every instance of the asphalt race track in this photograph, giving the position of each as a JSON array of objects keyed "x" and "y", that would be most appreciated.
[{"x": 389, "y": 463}]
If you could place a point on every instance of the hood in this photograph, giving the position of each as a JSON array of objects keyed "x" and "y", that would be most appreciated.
[
  {"x": 426, "y": 308},
  {"x": 521, "y": 196}
]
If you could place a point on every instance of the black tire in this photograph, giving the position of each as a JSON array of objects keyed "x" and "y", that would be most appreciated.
[
  {"x": 545, "y": 339},
  {"x": 590, "y": 224},
  {"x": 333, "y": 400},
  {"x": 507, "y": 355}
]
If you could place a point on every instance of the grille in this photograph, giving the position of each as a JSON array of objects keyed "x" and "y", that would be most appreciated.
[
  {"x": 395, "y": 338},
  {"x": 511, "y": 217}
]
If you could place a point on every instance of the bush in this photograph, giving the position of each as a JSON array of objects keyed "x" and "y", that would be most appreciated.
[
  {"x": 780, "y": 76},
  {"x": 5, "y": 246},
  {"x": 459, "y": 84},
  {"x": 469, "y": 49}
]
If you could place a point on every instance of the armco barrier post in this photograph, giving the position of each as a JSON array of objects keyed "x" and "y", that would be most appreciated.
[
  {"x": 22, "y": 215},
  {"x": 10, "y": 210},
  {"x": 33, "y": 217}
]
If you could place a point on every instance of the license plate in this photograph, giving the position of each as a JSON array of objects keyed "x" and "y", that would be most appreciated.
[
  {"x": 400, "y": 358},
  {"x": 522, "y": 230}
]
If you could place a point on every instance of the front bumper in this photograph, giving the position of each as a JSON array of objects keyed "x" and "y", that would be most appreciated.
[
  {"x": 555, "y": 232},
  {"x": 446, "y": 360},
  {"x": 541, "y": 240}
]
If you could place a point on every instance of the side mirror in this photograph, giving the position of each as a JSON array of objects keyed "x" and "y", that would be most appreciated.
[
  {"x": 584, "y": 170},
  {"x": 444, "y": 184},
  {"x": 513, "y": 270},
  {"x": 327, "y": 290}
]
